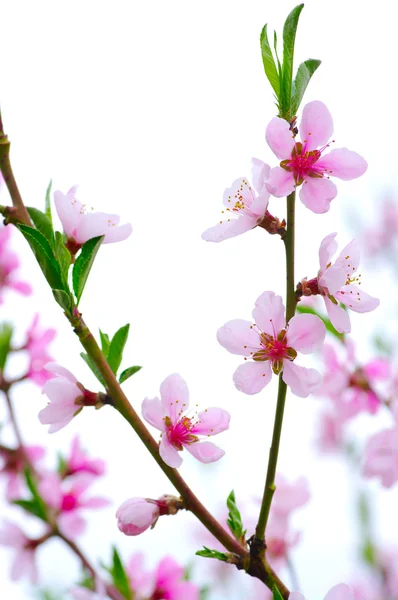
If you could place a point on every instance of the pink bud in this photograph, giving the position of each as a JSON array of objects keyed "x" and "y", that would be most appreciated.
[{"x": 136, "y": 515}]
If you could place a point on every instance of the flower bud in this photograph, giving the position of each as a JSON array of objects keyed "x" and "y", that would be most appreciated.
[{"x": 136, "y": 515}]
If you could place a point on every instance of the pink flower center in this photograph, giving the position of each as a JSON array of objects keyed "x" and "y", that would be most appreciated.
[
  {"x": 241, "y": 201},
  {"x": 180, "y": 433},
  {"x": 69, "y": 502},
  {"x": 274, "y": 349},
  {"x": 303, "y": 164}
]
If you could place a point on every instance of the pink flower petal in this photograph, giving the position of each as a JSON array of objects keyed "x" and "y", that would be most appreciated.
[
  {"x": 239, "y": 337},
  {"x": 69, "y": 210},
  {"x": 239, "y": 191},
  {"x": 174, "y": 396},
  {"x": 378, "y": 369},
  {"x": 339, "y": 317},
  {"x": 169, "y": 454},
  {"x": 326, "y": 250},
  {"x": 153, "y": 411},
  {"x": 316, "y": 127},
  {"x": 61, "y": 392},
  {"x": 349, "y": 257},
  {"x": 60, "y": 371},
  {"x": 317, "y": 194},
  {"x": 296, "y": 596},
  {"x": 252, "y": 377},
  {"x": 229, "y": 229},
  {"x": 302, "y": 381},
  {"x": 340, "y": 592},
  {"x": 260, "y": 174},
  {"x": 71, "y": 524},
  {"x": 280, "y": 182},
  {"x": 280, "y": 138},
  {"x": 94, "y": 224},
  {"x": 95, "y": 502},
  {"x": 333, "y": 279},
  {"x": 356, "y": 299},
  {"x": 306, "y": 333},
  {"x": 22, "y": 287},
  {"x": 118, "y": 234},
  {"x": 212, "y": 421},
  {"x": 343, "y": 163},
  {"x": 269, "y": 313},
  {"x": 51, "y": 490},
  {"x": 205, "y": 452}
]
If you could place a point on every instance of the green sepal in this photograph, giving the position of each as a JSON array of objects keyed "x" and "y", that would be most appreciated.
[
  {"x": 301, "y": 81},
  {"x": 42, "y": 224},
  {"x": 269, "y": 62},
  {"x": 90, "y": 363},
  {"x": 289, "y": 37},
  {"x": 207, "y": 553},
  {"x": 127, "y": 373},
  {"x": 44, "y": 255},
  {"x": 116, "y": 348},
  {"x": 6, "y": 331},
  {"x": 119, "y": 576},
  {"x": 83, "y": 264},
  {"x": 234, "y": 520}
]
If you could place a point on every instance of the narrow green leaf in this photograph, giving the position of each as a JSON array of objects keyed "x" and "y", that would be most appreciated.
[
  {"x": 44, "y": 256},
  {"x": 48, "y": 202},
  {"x": 37, "y": 499},
  {"x": 268, "y": 62},
  {"x": 63, "y": 255},
  {"x": 83, "y": 264},
  {"x": 127, "y": 373},
  {"x": 105, "y": 343},
  {"x": 301, "y": 81},
  {"x": 207, "y": 553},
  {"x": 289, "y": 37},
  {"x": 116, "y": 347},
  {"x": 234, "y": 520},
  {"x": 63, "y": 300},
  {"x": 62, "y": 464},
  {"x": 329, "y": 327},
  {"x": 89, "y": 362},
  {"x": 6, "y": 332},
  {"x": 42, "y": 224},
  {"x": 119, "y": 576},
  {"x": 276, "y": 595},
  {"x": 31, "y": 507}
]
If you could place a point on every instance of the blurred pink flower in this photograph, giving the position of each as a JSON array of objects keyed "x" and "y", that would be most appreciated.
[
  {"x": 330, "y": 432},
  {"x": 79, "y": 461},
  {"x": 302, "y": 162},
  {"x": 67, "y": 498},
  {"x": 36, "y": 345},
  {"x": 338, "y": 592},
  {"x": 248, "y": 204},
  {"x": 80, "y": 593},
  {"x": 80, "y": 226},
  {"x": 271, "y": 346},
  {"x": 24, "y": 560},
  {"x": 180, "y": 431},
  {"x": 9, "y": 263},
  {"x": 13, "y": 468},
  {"x": 381, "y": 454}
]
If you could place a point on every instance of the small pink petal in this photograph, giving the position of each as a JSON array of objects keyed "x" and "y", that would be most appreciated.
[
  {"x": 205, "y": 452},
  {"x": 212, "y": 421},
  {"x": 316, "y": 127},
  {"x": 349, "y": 257},
  {"x": 169, "y": 454},
  {"x": 280, "y": 138},
  {"x": 296, "y": 596},
  {"x": 153, "y": 411},
  {"x": 239, "y": 190},
  {"x": 95, "y": 224},
  {"x": 317, "y": 194},
  {"x": 229, "y": 229},
  {"x": 60, "y": 371},
  {"x": 339, "y": 317},
  {"x": 378, "y": 369},
  {"x": 269, "y": 313},
  {"x": 174, "y": 395},
  {"x": 239, "y": 337},
  {"x": 22, "y": 287},
  {"x": 340, "y": 592},
  {"x": 260, "y": 174},
  {"x": 252, "y": 377},
  {"x": 51, "y": 490},
  {"x": 280, "y": 182},
  {"x": 71, "y": 524},
  {"x": 343, "y": 163},
  {"x": 333, "y": 279},
  {"x": 306, "y": 333},
  {"x": 118, "y": 234},
  {"x": 356, "y": 299},
  {"x": 327, "y": 249},
  {"x": 302, "y": 381},
  {"x": 69, "y": 210}
]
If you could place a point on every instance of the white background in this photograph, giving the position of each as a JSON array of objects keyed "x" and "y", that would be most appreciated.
[{"x": 153, "y": 108}]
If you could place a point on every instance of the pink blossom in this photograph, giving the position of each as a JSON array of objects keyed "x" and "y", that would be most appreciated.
[
  {"x": 80, "y": 226},
  {"x": 136, "y": 515},
  {"x": 338, "y": 592},
  {"x": 303, "y": 163},
  {"x": 270, "y": 345},
  {"x": 180, "y": 431},
  {"x": 36, "y": 345},
  {"x": 13, "y": 467},
  {"x": 389, "y": 562},
  {"x": 339, "y": 282},
  {"x": 166, "y": 582},
  {"x": 246, "y": 206},
  {"x": 330, "y": 432},
  {"x": 79, "y": 462},
  {"x": 24, "y": 559},
  {"x": 9, "y": 263},
  {"x": 381, "y": 454},
  {"x": 288, "y": 496},
  {"x": 67, "y": 397},
  {"x": 67, "y": 499}
]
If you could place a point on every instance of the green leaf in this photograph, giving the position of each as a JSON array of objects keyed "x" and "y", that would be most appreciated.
[
  {"x": 63, "y": 300},
  {"x": 63, "y": 255},
  {"x": 124, "y": 375},
  {"x": 116, "y": 347},
  {"x": 207, "y": 553},
  {"x": 119, "y": 576},
  {"x": 48, "y": 202},
  {"x": 44, "y": 256},
  {"x": 83, "y": 264},
  {"x": 276, "y": 595},
  {"x": 302, "y": 79},
  {"x": 268, "y": 62},
  {"x": 42, "y": 224},
  {"x": 308, "y": 310},
  {"x": 88, "y": 360},
  {"x": 31, "y": 507},
  {"x": 289, "y": 37},
  {"x": 36, "y": 501},
  {"x": 6, "y": 332},
  {"x": 62, "y": 464},
  {"x": 105, "y": 343},
  {"x": 234, "y": 520}
]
